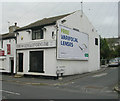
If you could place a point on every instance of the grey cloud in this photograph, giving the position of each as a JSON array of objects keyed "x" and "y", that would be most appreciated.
[{"x": 102, "y": 15}]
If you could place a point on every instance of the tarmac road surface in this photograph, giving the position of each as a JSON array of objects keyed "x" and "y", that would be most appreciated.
[{"x": 93, "y": 86}]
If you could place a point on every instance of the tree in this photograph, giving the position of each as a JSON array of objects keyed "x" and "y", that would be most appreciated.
[
  {"x": 104, "y": 49},
  {"x": 117, "y": 49},
  {"x": 108, "y": 50}
]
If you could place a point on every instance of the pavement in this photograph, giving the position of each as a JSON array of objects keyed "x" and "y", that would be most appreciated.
[{"x": 31, "y": 80}]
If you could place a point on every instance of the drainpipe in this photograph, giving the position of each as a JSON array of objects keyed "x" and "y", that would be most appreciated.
[
  {"x": 16, "y": 54},
  {"x": 56, "y": 26}
]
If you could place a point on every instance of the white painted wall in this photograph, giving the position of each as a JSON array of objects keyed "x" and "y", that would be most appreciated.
[
  {"x": 48, "y": 32},
  {"x": 50, "y": 62},
  {"x": 27, "y": 37},
  {"x": 6, "y": 64},
  {"x": 12, "y": 45},
  {"x": 49, "y": 54},
  {"x": 94, "y": 53},
  {"x": 74, "y": 67}
]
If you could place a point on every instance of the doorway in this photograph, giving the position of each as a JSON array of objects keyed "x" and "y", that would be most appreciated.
[
  {"x": 20, "y": 62},
  {"x": 36, "y": 61},
  {"x": 12, "y": 66}
]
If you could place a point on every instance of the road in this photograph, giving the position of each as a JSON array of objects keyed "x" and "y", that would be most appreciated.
[{"x": 93, "y": 86}]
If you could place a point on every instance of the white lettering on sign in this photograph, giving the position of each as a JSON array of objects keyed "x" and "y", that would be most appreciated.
[{"x": 40, "y": 44}]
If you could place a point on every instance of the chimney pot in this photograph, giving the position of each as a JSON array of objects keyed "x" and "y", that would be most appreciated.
[{"x": 15, "y": 24}]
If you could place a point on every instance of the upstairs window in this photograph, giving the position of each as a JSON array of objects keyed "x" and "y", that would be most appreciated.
[
  {"x": 53, "y": 35},
  {"x": 96, "y": 41},
  {"x": 37, "y": 34}
]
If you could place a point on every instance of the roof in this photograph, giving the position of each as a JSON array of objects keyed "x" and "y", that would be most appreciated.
[
  {"x": 7, "y": 36},
  {"x": 43, "y": 22}
]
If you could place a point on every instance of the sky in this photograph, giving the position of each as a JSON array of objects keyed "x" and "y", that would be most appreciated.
[{"x": 103, "y": 15}]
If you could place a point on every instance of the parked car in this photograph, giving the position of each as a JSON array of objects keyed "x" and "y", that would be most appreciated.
[{"x": 114, "y": 62}]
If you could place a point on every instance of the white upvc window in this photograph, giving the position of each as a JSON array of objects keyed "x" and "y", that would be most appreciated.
[{"x": 37, "y": 34}]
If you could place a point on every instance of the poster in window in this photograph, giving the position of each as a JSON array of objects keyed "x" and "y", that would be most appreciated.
[
  {"x": 2, "y": 53},
  {"x": 8, "y": 49}
]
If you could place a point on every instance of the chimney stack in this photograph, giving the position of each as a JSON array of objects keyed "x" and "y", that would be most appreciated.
[{"x": 13, "y": 28}]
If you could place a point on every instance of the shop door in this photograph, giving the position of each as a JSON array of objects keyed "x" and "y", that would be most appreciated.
[
  {"x": 12, "y": 66},
  {"x": 36, "y": 61},
  {"x": 20, "y": 62}
]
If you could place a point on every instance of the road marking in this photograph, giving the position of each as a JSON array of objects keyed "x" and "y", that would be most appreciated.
[
  {"x": 99, "y": 75},
  {"x": 10, "y": 92}
]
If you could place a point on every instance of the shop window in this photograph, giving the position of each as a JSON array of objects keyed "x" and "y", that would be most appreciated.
[
  {"x": 36, "y": 61},
  {"x": 96, "y": 41},
  {"x": 37, "y": 34}
]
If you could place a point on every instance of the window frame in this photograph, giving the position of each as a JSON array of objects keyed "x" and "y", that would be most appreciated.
[
  {"x": 96, "y": 41},
  {"x": 37, "y": 34}
]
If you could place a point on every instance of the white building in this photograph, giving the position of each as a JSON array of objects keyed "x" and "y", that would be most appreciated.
[
  {"x": 8, "y": 51},
  {"x": 50, "y": 46}
]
